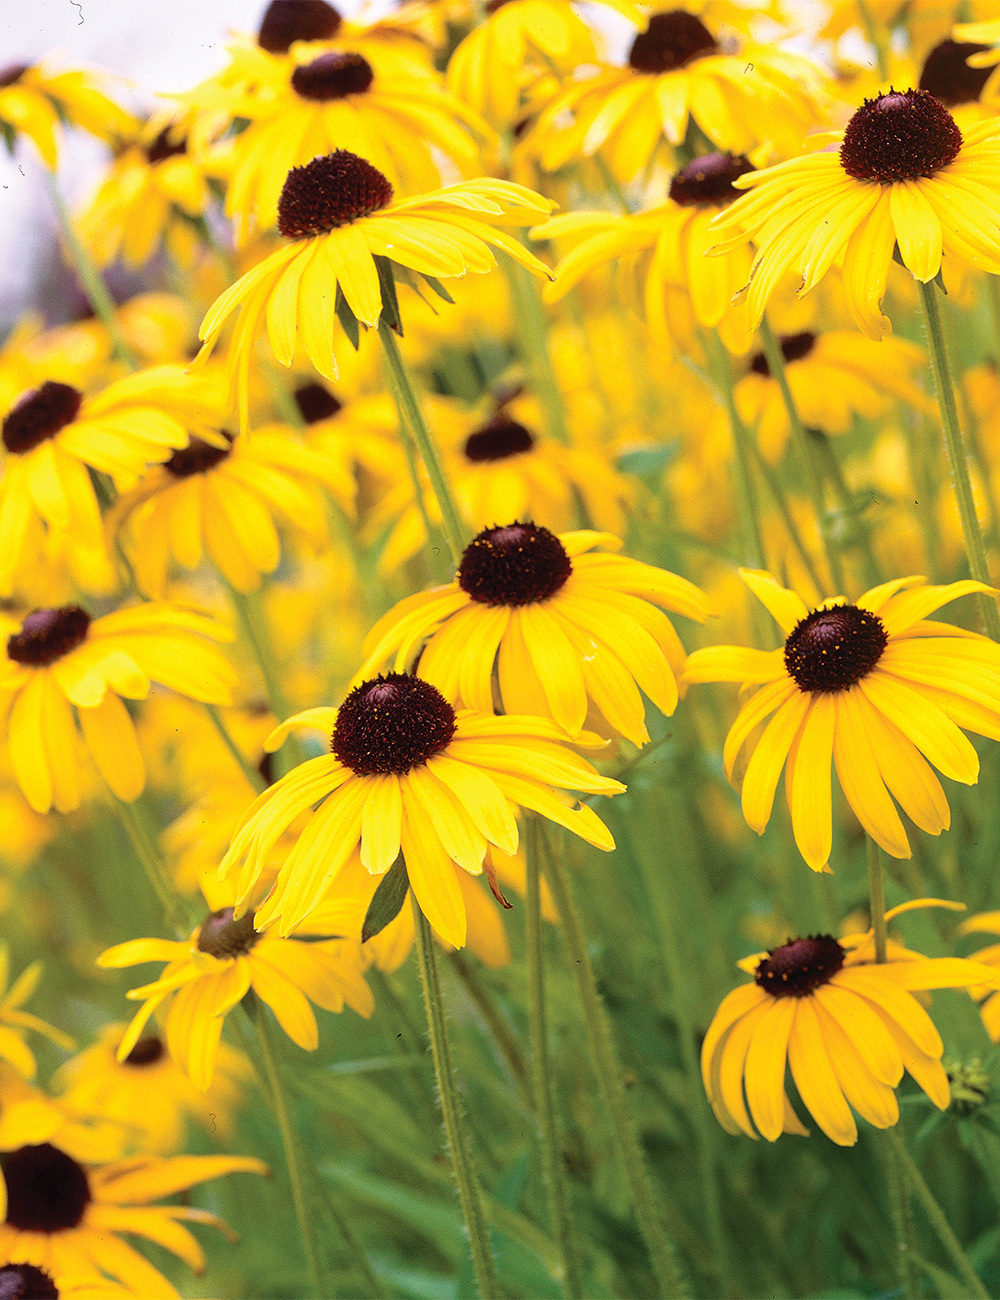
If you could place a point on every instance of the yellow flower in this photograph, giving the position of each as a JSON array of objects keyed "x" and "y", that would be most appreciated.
[
  {"x": 876, "y": 688},
  {"x": 846, "y": 1025},
  {"x": 14, "y": 1021},
  {"x": 568, "y": 629},
  {"x": 54, "y": 434},
  {"x": 407, "y": 774},
  {"x": 338, "y": 213},
  {"x": 756, "y": 99},
  {"x": 662, "y": 259},
  {"x": 208, "y": 974},
  {"x": 64, "y": 1217},
  {"x": 986, "y": 923},
  {"x": 34, "y": 99},
  {"x": 903, "y": 175},
  {"x": 60, "y": 657},
  {"x": 222, "y": 498},
  {"x": 147, "y": 1095}
]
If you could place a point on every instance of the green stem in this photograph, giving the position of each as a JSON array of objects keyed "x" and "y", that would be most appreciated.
[
  {"x": 609, "y": 1081},
  {"x": 251, "y": 620},
  {"x": 776, "y": 365},
  {"x": 174, "y": 910},
  {"x": 722, "y": 375},
  {"x": 90, "y": 278},
  {"x": 251, "y": 773},
  {"x": 499, "y": 1030},
  {"x": 439, "y": 566},
  {"x": 454, "y": 1123},
  {"x": 293, "y": 1155},
  {"x": 935, "y": 1214},
  {"x": 532, "y": 335},
  {"x": 902, "y": 1221},
  {"x": 993, "y": 294},
  {"x": 876, "y": 895},
  {"x": 541, "y": 1076},
  {"x": 846, "y": 502},
  {"x": 872, "y": 33},
  {"x": 406, "y": 400},
  {"x": 613, "y": 184},
  {"x": 975, "y": 547},
  {"x": 781, "y": 502}
]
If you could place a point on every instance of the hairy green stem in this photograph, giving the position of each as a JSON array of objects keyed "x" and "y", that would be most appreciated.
[
  {"x": 975, "y": 546},
  {"x": 902, "y": 1221},
  {"x": 174, "y": 909},
  {"x": 451, "y": 1111},
  {"x": 609, "y": 1082},
  {"x": 504, "y": 1038},
  {"x": 406, "y": 400},
  {"x": 845, "y": 499},
  {"x": 784, "y": 509}
]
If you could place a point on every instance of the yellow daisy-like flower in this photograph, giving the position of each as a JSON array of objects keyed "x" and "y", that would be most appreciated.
[
  {"x": 151, "y": 187},
  {"x": 64, "y": 1216},
  {"x": 846, "y": 1026},
  {"x": 223, "y": 499},
  {"x": 147, "y": 1095},
  {"x": 14, "y": 1021},
  {"x": 58, "y": 658},
  {"x": 407, "y": 774},
  {"x": 835, "y": 377},
  {"x": 903, "y": 175},
  {"x": 874, "y": 687},
  {"x": 54, "y": 434},
  {"x": 208, "y": 974},
  {"x": 661, "y": 256},
  {"x": 965, "y": 86},
  {"x": 33, "y": 100},
  {"x": 566, "y": 628},
  {"x": 338, "y": 213},
  {"x": 759, "y": 98}
]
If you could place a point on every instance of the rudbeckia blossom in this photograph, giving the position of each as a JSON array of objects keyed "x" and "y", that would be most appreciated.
[
  {"x": 208, "y": 974},
  {"x": 874, "y": 687},
  {"x": 902, "y": 175},
  {"x": 223, "y": 498},
  {"x": 53, "y": 434},
  {"x": 568, "y": 629},
  {"x": 64, "y": 1217},
  {"x": 846, "y": 1026},
  {"x": 661, "y": 256},
  {"x": 338, "y": 212},
  {"x": 33, "y": 102},
  {"x": 409, "y": 774},
  {"x": 756, "y": 98},
  {"x": 14, "y": 1020},
  {"x": 60, "y": 658}
]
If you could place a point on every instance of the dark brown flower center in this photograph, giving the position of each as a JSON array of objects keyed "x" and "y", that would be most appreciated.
[
  {"x": 899, "y": 136},
  {"x": 315, "y": 402},
  {"x": 25, "y": 1282},
  {"x": 671, "y": 40},
  {"x": 831, "y": 649},
  {"x": 948, "y": 76},
  {"x": 519, "y": 564},
  {"x": 12, "y": 74},
  {"x": 164, "y": 146},
  {"x": 392, "y": 724},
  {"x": 198, "y": 457},
  {"x": 147, "y": 1051},
  {"x": 800, "y": 966},
  {"x": 707, "y": 182},
  {"x": 329, "y": 192},
  {"x": 498, "y": 439},
  {"x": 794, "y": 347},
  {"x": 286, "y": 21},
  {"x": 333, "y": 76},
  {"x": 47, "y": 1191},
  {"x": 221, "y": 936},
  {"x": 48, "y": 634},
  {"x": 40, "y": 414}
]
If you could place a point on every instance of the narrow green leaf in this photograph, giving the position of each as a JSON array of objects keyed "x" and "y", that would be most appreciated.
[
  {"x": 388, "y": 900},
  {"x": 438, "y": 287},
  {"x": 390, "y": 303},
  {"x": 347, "y": 318}
]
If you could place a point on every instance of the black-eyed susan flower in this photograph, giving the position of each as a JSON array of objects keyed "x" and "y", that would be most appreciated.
[
  {"x": 65, "y": 1216},
  {"x": 874, "y": 687},
  {"x": 225, "y": 957},
  {"x": 835, "y": 376},
  {"x": 54, "y": 434},
  {"x": 407, "y": 774},
  {"x": 567, "y": 629},
  {"x": 35, "y": 100},
  {"x": 222, "y": 499},
  {"x": 338, "y": 214},
  {"x": 901, "y": 175},
  {"x": 846, "y": 1026},
  {"x": 147, "y": 1095},
  {"x": 14, "y": 1020},
  {"x": 947, "y": 74},
  {"x": 62, "y": 668},
  {"x": 753, "y": 98},
  {"x": 661, "y": 256}
]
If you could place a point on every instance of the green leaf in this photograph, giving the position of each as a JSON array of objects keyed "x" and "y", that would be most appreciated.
[
  {"x": 390, "y": 303},
  {"x": 347, "y": 318},
  {"x": 438, "y": 287},
  {"x": 388, "y": 900}
]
